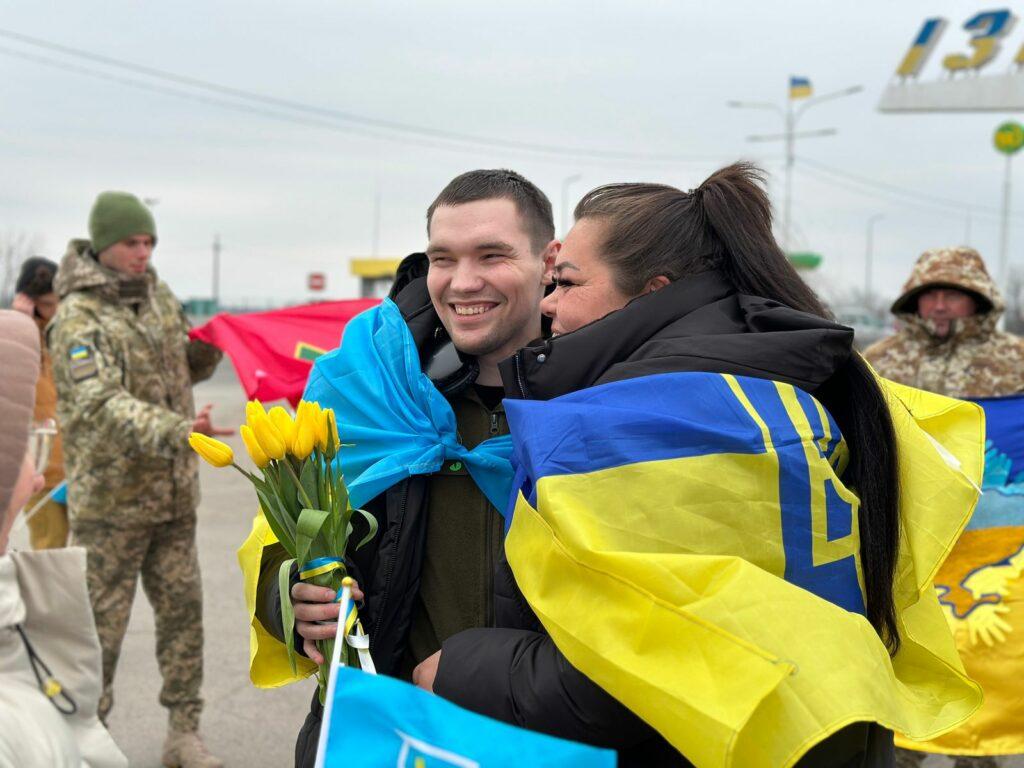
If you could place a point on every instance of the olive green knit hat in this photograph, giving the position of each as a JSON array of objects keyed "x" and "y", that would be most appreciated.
[{"x": 116, "y": 216}]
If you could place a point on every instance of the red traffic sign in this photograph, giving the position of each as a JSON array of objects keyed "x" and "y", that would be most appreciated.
[{"x": 316, "y": 281}]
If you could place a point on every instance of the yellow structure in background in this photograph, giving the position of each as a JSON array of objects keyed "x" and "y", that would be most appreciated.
[{"x": 375, "y": 275}]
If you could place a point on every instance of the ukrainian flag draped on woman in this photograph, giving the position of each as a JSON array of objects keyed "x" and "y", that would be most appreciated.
[{"x": 687, "y": 541}]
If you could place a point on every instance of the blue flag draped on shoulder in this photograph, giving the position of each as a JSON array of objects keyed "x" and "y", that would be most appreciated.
[
  {"x": 381, "y": 721},
  {"x": 981, "y": 588},
  {"x": 689, "y": 544},
  {"x": 399, "y": 425},
  {"x": 397, "y": 421}
]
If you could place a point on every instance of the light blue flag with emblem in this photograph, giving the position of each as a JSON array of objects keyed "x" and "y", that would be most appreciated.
[
  {"x": 381, "y": 721},
  {"x": 371, "y": 720}
]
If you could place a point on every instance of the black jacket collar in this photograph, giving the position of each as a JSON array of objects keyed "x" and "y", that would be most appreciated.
[
  {"x": 450, "y": 371},
  {"x": 693, "y": 324}
]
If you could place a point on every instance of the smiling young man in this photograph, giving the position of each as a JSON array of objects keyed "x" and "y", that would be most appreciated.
[{"x": 473, "y": 300}]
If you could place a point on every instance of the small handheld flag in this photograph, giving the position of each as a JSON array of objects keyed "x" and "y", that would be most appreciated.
[{"x": 387, "y": 722}]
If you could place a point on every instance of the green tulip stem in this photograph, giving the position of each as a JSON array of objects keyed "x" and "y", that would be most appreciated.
[{"x": 298, "y": 484}]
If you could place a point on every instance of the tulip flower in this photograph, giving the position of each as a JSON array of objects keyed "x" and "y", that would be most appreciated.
[
  {"x": 212, "y": 451},
  {"x": 327, "y": 434},
  {"x": 323, "y": 430},
  {"x": 305, "y": 431},
  {"x": 258, "y": 456},
  {"x": 285, "y": 425},
  {"x": 252, "y": 409},
  {"x": 268, "y": 436}
]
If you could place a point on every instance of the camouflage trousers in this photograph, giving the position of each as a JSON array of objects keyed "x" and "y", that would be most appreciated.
[
  {"x": 165, "y": 555},
  {"x": 906, "y": 758}
]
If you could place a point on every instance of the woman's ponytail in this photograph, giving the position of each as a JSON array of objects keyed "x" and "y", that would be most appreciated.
[
  {"x": 725, "y": 226},
  {"x": 738, "y": 218}
]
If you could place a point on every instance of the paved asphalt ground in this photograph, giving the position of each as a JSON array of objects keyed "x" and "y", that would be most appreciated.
[{"x": 241, "y": 724}]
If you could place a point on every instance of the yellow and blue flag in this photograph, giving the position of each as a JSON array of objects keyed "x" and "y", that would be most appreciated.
[
  {"x": 688, "y": 542},
  {"x": 380, "y": 721},
  {"x": 981, "y": 589},
  {"x": 799, "y": 87}
]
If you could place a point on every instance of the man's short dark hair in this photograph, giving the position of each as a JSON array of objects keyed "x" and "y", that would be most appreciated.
[{"x": 532, "y": 204}]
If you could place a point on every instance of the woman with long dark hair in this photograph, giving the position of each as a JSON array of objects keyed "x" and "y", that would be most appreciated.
[{"x": 653, "y": 283}]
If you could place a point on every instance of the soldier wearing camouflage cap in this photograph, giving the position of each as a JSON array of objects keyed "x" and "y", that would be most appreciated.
[
  {"x": 949, "y": 344},
  {"x": 124, "y": 369}
]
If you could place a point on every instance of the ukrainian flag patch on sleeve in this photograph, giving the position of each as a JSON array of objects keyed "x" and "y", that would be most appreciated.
[{"x": 82, "y": 363}]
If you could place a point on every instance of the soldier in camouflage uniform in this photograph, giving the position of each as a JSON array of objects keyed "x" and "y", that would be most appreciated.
[
  {"x": 124, "y": 369},
  {"x": 957, "y": 356},
  {"x": 949, "y": 344}
]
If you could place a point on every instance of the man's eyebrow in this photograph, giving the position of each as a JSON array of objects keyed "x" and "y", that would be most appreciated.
[
  {"x": 496, "y": 245},
  {"x": 437, "y": 249},
  {"x": 565, "y": 265}
]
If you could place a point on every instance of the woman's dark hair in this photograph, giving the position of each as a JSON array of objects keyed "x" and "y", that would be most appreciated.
[
  {"x": 36, "y": 277},
  {"x": 725, "y": 226}
]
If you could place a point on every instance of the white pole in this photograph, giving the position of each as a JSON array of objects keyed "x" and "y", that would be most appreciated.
[
  {"x": 332, "y": 678},
  {"x": 1004, "y": 229},
  {"x": 375, "y": 247},
  {"x": 566, "y": 183},
  {"x": 869, "y": 259},
  {"x": 790, "y": 122},
  {"x": 216, "y": 273}
]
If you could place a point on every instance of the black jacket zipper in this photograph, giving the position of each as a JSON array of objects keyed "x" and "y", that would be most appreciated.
[{"x": 519, "y": 375}]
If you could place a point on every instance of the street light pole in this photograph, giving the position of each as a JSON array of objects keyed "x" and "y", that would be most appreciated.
[
  {"x": 566, "y": 183},
  {"x": 1008, "y": 139},
  {"x": 790, "y": 118},
  {"x": 216, "y": 273},
  {"x": 790, "y": 159},
  {"x": 869, "y": 257},
  {"x": 1004, "y": 225}
]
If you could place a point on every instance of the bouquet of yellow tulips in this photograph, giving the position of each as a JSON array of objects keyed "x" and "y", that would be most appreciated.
[{"x": 303, "y": 497}]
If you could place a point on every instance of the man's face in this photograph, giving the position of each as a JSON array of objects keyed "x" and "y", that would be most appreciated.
[
  {"x": 130, "y": 256},
  {"x": 944, "y": 305},
  {"x": 485, "y": 281}
]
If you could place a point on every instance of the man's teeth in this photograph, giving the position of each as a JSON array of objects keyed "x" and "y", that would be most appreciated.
[{"x": 477, "y": 310}]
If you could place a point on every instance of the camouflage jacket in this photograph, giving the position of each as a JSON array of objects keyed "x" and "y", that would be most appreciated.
[
  {"x": 974, "y": 360},
  {"x": 124, "y": 369}
]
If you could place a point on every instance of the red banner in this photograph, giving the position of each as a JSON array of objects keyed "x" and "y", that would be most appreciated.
[{"x": 274, "y": 351}]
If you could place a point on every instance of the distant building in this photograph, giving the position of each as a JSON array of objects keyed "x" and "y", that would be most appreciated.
[{"x": 375, "y": 275}]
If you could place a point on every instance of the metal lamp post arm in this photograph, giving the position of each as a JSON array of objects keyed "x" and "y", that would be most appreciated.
[
  {"x": 767, "y": 105},
  {"x": 814, "y": 100}
]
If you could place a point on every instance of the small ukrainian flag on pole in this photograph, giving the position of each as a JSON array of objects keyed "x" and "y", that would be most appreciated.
[
  {"x": 799, "y": 87},
  {"x": 380, "y": 722}
]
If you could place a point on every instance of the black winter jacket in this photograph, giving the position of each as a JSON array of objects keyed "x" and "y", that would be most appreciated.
[{"x": 515, "y": 673}]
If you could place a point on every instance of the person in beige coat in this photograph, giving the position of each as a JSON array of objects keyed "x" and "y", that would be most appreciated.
[{"x": 49, "y": 652}]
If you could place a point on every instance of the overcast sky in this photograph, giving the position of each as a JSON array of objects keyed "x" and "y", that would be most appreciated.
[{"x": 288, "y": 196}]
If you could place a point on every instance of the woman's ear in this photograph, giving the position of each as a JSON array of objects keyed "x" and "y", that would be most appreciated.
[{"x": 656, "y": 283}]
